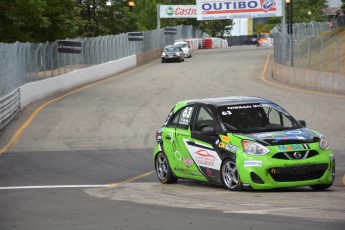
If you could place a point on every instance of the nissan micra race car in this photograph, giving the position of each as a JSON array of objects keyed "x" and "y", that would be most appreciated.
[{"x": 241, "y": 143}]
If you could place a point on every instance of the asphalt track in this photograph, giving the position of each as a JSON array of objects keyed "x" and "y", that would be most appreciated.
[{"x": 83, "y": 159}]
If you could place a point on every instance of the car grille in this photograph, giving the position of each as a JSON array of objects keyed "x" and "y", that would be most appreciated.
[
  {"x": 299, "y": 155},
  {"x": 298, "y": 173}
]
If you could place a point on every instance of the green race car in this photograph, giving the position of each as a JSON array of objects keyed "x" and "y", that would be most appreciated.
[{"x": 241, "y": 143}]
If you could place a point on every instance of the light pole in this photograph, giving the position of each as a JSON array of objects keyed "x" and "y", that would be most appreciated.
[
  {"x": 131, "y": 4},
  {"x": 309, "y": 14},
  {"x": 290, "y": 20},
  {"x": 290, "y": 30}
]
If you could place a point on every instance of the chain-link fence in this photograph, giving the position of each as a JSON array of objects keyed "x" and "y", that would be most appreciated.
[
  {"x": 21, "y": 63},
  {"x": 317, "y": 46}
]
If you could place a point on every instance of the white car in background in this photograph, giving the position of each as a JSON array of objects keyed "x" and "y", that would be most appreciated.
[{"x": 187, "y": 51}]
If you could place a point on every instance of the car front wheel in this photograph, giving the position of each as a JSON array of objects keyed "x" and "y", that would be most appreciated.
[
  {"x": 163, "y": 170},
  {"x": 230, "y": 176}
]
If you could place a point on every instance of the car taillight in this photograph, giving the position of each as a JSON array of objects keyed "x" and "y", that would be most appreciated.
[{"x": 159, "y": 135}]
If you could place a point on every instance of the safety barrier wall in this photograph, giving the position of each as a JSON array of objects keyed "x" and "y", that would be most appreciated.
[
  {"x": 39, "y": 70},
  {"x": 312, "y": 57},
  {"x": 310, "y": 79},
  {"x": 9, "y": 107},
  {"x": 41, "y": 89},
  {"x": 212, "y": 43}
]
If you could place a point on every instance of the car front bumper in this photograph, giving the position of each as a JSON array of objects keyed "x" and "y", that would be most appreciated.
[
  {"x": 263, "y": 172},
  {"x": 171, "y": 58}
]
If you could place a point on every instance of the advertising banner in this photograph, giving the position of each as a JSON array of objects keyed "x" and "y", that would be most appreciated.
[
  {"x": 230, "y": 9},
  {"x": 135, "y": 36},
  {"x": 177, "y": 11},
  {"x": 72, "y": 47}
]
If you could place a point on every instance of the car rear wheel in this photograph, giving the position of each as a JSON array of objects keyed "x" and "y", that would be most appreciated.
[
  {"x": 230, "y": 176},
  {"x": 163, "y": 170}
]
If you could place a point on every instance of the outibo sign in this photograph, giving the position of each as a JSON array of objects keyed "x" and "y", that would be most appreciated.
[
  {"x": 229, "y": 9},
  {"x": 177, "y": 11},
  {"x": 69, "y": 47}
]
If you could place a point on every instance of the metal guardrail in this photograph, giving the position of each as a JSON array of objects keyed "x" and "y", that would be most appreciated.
[
  {"x": 9, "y": 107},
  {"x": 21, "y": 63}
]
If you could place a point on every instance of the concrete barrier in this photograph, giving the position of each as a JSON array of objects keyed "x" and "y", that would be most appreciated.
[
  {"x": 149, "y": 56},
  {"x": 310, "y": 79},
  {"x": 34, "y": 91}
]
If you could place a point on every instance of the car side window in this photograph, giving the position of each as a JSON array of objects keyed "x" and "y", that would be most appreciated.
[
  {"x": 182, "y": 118},
  {"x": 277, "y": 118},
  {"x": 203, "y": 119}
]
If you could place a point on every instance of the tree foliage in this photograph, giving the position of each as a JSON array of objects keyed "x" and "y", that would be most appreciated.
[
  {"x": 302, "y": 7},
  {"x": 36, "y": 20},
  {"x": 50, "y": 20}
]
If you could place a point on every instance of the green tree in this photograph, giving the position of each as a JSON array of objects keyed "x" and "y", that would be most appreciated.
[
  {"x": 301, "y": 9},
  {"x": 21, "y": 20},
  {"x": 343, "y": 4},
  {"x": 62, "y": 20},
  {"x": 146, "y": 15},
  {"x": 216, "y": 28},
  {"x": 36, "y": 20}
]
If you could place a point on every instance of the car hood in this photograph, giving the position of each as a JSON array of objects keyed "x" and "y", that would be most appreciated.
[
  {"x": 169, "y": 52},
  {"x": 286, "y": 137}
]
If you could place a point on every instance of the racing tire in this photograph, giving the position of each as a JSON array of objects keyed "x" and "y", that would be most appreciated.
[
  {"x": 230, "y": 176},
  {"x": 163, "y": 170}
]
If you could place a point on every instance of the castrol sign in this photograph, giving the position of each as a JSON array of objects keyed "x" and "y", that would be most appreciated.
[
  {"x": 177, "y": 11},
  {"x": 230, "y": 9}
]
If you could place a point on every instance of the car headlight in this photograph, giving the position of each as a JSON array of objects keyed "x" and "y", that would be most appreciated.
[
  {"x": 178, "y": 53},
  {"x": 324, "y": 143},
  {"x": 163, "y": 54},
  {"x": 254, "y": 148}
]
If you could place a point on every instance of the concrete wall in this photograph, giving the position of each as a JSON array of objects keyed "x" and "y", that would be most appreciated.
[
  {"x": 34, "y": 91},
  {"x": 149, "y": 56},
  {"x": 310, "y": 79}
]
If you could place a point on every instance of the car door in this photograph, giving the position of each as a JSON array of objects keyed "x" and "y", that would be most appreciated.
[
  {"x": 201, "y": 148},
  {"x": 175, "y": 131}
]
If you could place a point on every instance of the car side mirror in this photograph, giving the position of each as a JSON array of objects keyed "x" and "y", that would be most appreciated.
[
  {"x": 209, "y": 131},
  {"x": 303, "y": 123}
]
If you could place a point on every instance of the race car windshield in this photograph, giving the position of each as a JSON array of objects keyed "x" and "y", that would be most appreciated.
[{"x": 256, "y": 118}]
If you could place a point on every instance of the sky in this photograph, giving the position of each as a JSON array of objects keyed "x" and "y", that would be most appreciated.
[{"x": 334, "y": 3}]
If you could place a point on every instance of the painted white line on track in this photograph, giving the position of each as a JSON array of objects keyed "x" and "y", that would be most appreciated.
[
  {"x": 52, "y": 186},
  {"x": 261, "y": 211}
]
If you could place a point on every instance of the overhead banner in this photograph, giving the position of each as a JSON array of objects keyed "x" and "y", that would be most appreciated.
[
  {"x": 177, "y": 11},
  {"x": 230, "y": 9}
]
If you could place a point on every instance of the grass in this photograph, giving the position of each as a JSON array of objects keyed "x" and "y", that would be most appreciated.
[{"x": 324, "y": 52}]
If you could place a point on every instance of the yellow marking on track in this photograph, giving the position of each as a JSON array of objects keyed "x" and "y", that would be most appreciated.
[
  {"x": 291, "y": 87},
  {"x": 129, "y": 180},
  {"x": 14, "y": 139}
]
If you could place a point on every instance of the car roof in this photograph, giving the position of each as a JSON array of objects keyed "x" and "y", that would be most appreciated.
[{"x": 222, "y": 101}]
